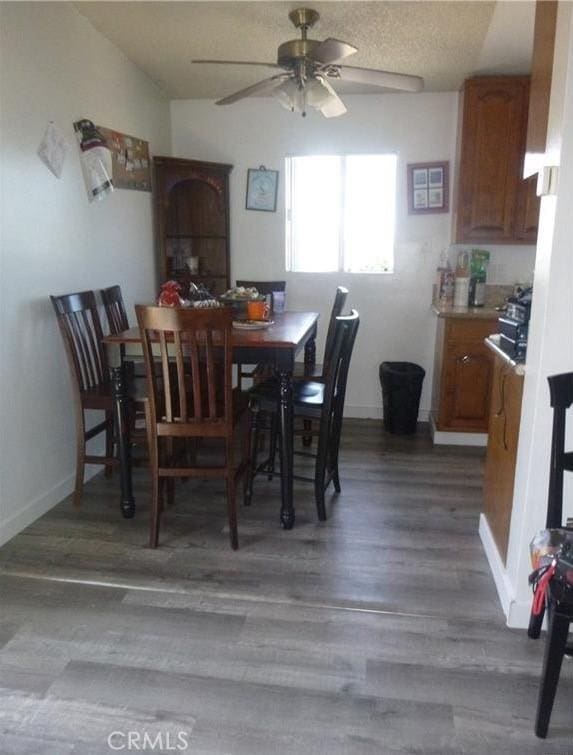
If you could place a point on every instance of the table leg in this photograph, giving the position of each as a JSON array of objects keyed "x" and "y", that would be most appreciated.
[
  {"x": 121, "y": 417},
  {"x": 286, "y": 449}
]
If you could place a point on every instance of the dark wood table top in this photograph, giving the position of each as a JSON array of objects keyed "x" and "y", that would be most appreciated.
[{"x": 288, "y": 330}]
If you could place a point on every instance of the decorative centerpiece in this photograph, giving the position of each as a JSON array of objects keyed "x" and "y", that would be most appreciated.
[
  {"x": 238, "y": 297},
  {"x": 170, "y": 295}
]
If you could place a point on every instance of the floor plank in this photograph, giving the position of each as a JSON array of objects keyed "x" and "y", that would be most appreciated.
[{"x": 378, "y": 631}]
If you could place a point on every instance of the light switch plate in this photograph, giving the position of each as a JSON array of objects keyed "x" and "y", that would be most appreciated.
[{"x": 547, "y": 180}]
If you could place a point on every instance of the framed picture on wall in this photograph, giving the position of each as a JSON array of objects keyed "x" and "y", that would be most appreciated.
[
  {"x": 428, "y": 188},
  {"x": 262, "y": 185}
]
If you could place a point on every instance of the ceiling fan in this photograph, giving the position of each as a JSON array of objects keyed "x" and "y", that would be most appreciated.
[{"x": 309, "y": 65}]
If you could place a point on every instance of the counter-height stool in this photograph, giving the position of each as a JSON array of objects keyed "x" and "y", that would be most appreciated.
[
  {"x": 192, "y": 399},
  {"x": 80, "y": 326},
  {"x": 322, "y": 402},
  {"x": 559, "y": 598}
]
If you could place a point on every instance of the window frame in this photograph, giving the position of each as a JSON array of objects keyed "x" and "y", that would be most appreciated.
[{"x": 341, "y": 256}]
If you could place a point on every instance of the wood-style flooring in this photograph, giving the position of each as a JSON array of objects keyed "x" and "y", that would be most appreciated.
[{"x": 378, "y": 631}]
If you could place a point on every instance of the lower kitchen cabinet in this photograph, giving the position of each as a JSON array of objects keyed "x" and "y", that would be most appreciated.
[
  {"x": 463, "y": 372},
  {"x": 504, "y": 418}
]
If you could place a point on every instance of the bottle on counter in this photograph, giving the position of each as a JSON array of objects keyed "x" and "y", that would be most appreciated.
[
  {"x": 462, "y": 282},
  {"x": 478, "y": 268},
  {"x": 444, "y": 281}
]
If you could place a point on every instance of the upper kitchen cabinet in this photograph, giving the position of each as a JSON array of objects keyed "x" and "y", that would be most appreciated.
[
  {"x": 192, "y": 222},
  {"x": 541, "y": 75},
  {"x": 494, "y": 203}
]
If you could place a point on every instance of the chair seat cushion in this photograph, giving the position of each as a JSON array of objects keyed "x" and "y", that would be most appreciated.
[{"x": 308, "y": 396}]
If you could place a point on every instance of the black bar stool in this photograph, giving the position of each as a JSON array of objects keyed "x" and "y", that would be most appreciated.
[{"x": 559, "y": 602}]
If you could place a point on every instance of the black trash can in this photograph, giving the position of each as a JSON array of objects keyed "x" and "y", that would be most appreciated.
[{"x": 401, "y": 384}]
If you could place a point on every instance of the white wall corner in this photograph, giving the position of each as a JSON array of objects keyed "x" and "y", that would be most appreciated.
[{"x": 25, "y": 516}]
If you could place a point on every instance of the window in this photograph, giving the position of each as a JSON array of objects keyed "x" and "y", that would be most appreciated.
[{"x": 340, "y": 213}]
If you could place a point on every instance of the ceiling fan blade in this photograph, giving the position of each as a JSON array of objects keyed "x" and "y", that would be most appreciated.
[
  {"x": 238, "y": 63},
  {"x": 386, "y": 79},
  {"x": 261, "y": 87},
  {"x": 334, "y": 106},
  {"x": 332, "y": 50}
]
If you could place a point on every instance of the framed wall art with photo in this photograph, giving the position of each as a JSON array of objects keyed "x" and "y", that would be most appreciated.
[
  {"x": 428, "y": 188},
  {"x": 262, "y": 187}
]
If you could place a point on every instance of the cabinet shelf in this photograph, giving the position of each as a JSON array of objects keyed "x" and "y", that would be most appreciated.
[
  {"x": 192, "y": 205},
  {"x": 196, "y": 236}
]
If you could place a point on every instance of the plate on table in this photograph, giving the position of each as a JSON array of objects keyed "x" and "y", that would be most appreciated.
[{"x": 252, "y": 324}]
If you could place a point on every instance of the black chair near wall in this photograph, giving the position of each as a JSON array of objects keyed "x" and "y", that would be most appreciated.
[
  {"x": 322, "y": 402},
  {"x": 80, "y": 326},
  {"x": 559, "y": 600}
]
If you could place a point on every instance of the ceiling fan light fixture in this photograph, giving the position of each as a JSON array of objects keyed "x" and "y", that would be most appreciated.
[
  {"x": 291, "y": 96},
  {"x": 317, "y": 94},
  {"x": 308, "y": 65}
]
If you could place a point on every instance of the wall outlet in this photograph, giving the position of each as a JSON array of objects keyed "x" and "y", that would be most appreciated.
[{"x": 426, "y": 246}]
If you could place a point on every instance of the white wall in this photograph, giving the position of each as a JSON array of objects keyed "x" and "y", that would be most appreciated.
[
  {"x": 550, "y": 346},
  {"x": 55, "y": 66},
  {"x": 396, "y": 322}
]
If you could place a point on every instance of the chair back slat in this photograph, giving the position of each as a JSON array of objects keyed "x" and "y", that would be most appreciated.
[
  {"x": 114, "y": 306},
  {"x": 196, "y": 355},
  {"x": 211, "y": 380},
  {"x": 80, "y": 326},
  {"x": 337, "y": 307}
]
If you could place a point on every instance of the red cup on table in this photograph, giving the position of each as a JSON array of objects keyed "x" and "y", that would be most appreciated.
[{"x": 258, "y": 310}]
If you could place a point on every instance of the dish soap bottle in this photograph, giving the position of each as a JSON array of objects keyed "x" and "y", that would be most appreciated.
[{"x": 462, "y": 284}]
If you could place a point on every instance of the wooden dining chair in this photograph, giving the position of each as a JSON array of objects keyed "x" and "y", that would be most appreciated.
[
  {"x": 318, "y": 371},
  {"x": 303, "y": 371},
  {"x": 319, "y": 401},
  {"x": 112, "y": 299},
  {"x": 265, "y": 288},
  {"x": 80, "y": 326},
  {"x": 192, "y": 399}
]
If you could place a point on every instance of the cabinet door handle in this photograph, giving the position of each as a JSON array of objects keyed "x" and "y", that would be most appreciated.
[{"x": 466, "y": 359}]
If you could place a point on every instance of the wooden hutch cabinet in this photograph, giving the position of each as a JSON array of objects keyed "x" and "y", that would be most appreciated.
[
  {"x": 494, "y": 204},
  {"x": 192, "y": 220},
  {"x": 463, "y": 371}
]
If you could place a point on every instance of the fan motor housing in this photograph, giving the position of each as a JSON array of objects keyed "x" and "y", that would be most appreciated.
[{"x": 295, "y": 49}]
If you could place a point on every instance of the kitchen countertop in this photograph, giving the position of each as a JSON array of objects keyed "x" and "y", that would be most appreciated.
[
  {"x": 492, "y": 343},
  {"x": 473, "y": 313}
]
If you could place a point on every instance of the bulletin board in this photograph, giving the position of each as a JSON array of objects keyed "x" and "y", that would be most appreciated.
[{"x": 130, "y": 160}]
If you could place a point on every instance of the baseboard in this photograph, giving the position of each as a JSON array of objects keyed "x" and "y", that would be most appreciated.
[
  {"x": 502, "y": 583},
  {"x": 375, "y": 412},
  {"x": 40, "y": 505},
  {"x": 443, "y": 438},
  {"x": 519, "y": 614}
]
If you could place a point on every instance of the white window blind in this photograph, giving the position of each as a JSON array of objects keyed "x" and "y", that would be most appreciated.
[{"x": 340, "y": 213}]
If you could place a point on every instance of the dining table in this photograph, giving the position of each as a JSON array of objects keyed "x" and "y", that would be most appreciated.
[{"x": 276, "y": 344}]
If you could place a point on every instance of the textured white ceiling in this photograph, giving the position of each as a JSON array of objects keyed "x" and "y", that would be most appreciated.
[{"x": 440, "y": 41}]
